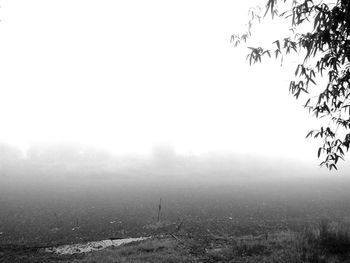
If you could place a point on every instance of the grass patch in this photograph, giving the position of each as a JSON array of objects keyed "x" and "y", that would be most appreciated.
[
  {"x": 155, "y": 250},
  {"x": 326, "y": 242}
]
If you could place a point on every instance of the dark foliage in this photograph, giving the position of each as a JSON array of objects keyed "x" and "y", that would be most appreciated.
[
  {"x": 325, "y": 50},
  {"x": 323, "y": 243}
]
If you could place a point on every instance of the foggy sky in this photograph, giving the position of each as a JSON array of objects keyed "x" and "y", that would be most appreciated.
[{"x": 125, "y": 76}]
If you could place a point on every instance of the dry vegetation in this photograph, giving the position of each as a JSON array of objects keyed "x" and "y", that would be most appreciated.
[
  {"x": 156, "y": 250},
  {"x": 326, "y": 242}
]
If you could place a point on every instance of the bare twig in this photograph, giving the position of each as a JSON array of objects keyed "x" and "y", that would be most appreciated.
[{"x": 159, "y": 209}]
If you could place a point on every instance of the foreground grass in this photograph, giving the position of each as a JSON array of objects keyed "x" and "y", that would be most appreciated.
[
  {"x": 156, "y": 250},
  {"x": 325, "y": 243}
]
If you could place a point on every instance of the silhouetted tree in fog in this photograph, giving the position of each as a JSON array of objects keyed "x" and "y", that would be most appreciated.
[{"x": 10, "y": 159}]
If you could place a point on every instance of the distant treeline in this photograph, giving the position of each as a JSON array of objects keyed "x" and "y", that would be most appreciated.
[{"x": 58, "y": 159}]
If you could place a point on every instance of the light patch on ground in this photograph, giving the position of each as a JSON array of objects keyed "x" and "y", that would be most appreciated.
[{"x": 91, "y": 246}]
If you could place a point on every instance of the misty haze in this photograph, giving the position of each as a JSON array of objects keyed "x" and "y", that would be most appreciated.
[
  {"x": 174, "y": 131},
  {"x": 65, "y": 194}
]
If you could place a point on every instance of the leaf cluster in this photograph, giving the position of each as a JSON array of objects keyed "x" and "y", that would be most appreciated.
[{"x": 325, "y": 50}]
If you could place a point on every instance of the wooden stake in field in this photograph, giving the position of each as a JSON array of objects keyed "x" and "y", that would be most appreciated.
[{"x": 159, "y": 209}]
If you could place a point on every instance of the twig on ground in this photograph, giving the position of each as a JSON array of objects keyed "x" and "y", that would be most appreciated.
[{"x": 177, "y": 239}]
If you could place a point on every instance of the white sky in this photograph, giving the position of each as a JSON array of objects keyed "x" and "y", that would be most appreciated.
[{"x": 126, "y": 75}]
